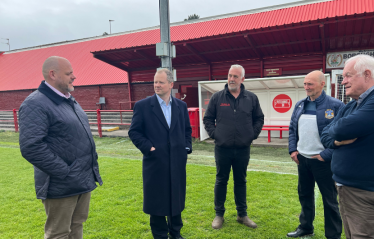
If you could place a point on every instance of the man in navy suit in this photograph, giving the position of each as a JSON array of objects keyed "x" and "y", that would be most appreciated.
[{"x": 161, "y": 130}]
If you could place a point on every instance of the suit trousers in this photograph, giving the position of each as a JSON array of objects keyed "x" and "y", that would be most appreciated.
[
  {"x": 160, "y": 226},
  {"x": 238, "y": 159},
  {"x": 357, "y": 209},
  {"x": 65, "y": 216},
  {"x": 310, "y": 172}
]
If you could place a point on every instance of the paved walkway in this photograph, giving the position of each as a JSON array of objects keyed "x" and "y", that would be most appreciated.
[{"x": 263, "y": 141}]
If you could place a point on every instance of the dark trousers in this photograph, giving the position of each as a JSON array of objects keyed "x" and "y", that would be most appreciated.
[
  {"x": 160, "y": 226},
  {"x": 311, "y": 171},
  {"x": 225, "y": 159}
]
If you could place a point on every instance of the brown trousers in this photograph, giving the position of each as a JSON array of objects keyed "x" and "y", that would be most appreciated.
[
  {"x": 65, "y": 216},
  {"x": 357, "y": 212}
]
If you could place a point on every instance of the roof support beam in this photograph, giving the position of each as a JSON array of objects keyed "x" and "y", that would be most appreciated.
[
  {"x": 249, "y": 41},
  {"x": 323, "y": 41},
  {"x": 294, "y": 83},
  {"x": 198, "y": 54},
  {"x": 146, "y": 56},
  {"x": 120, "y": 66}
]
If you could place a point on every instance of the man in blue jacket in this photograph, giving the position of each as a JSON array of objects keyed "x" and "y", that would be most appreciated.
[
  {"x": 161, "y": 130},
  {"x": 351, "y": 135},
  {"x": 55, "y": 137},
  {"x": 313, "y": 161}
]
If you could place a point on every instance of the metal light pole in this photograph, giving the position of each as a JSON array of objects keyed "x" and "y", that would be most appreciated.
[
  {"x": 165, "y": 32},
  {"x": 7, "y": 43},
  {"x": 110, "y": 25}
]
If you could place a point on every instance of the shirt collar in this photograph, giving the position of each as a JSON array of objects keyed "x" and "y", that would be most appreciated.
[
  {"x": 160, "y": 101},
  {"x": 319, "y": 99},
  {"x": 67, "y": 96},
  {"x": 364, "y": 95}
]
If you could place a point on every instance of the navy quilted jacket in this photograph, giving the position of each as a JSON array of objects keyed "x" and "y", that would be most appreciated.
[
  {"x": 55, "y": 137},
  {"x": 324, "y": 105}
]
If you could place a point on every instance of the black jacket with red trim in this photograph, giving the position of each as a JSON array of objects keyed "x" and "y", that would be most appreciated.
[{"x": 233, "y": 123}]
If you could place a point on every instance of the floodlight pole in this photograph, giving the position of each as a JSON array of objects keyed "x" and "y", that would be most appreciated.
[
  {"x": 165, "y": 32},
  {"x": 110, "y": 26}
]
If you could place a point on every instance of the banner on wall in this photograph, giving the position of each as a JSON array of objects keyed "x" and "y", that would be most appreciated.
[{"x": 338, "y": 59}]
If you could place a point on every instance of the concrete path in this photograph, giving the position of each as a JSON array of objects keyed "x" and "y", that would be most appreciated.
[{"x": 263, "y": 141}]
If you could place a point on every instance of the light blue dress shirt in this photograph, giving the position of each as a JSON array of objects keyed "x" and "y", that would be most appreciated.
[{"x": 166, "y": 109}]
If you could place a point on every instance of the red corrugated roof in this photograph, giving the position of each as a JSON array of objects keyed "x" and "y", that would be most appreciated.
[{"x": 22, "y": 70}]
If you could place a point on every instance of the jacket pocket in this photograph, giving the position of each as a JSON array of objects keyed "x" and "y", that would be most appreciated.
[{"x": 41, "y": 183}]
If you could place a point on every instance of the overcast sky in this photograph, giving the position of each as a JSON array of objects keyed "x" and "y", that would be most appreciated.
[{"x": 36, "y": 22}]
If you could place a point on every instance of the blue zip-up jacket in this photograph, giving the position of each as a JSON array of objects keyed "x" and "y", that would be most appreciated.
[
  {"x": 353, "y": 164},
  {"x": 327, "y": 108}
]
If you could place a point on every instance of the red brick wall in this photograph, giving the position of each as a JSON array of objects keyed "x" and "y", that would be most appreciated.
[
  {"x": 87, "y": 96},
  {"x": 13, "y": 99},
  {"x": 114, "y": 94},
  {"x": 141, "y": 91}
]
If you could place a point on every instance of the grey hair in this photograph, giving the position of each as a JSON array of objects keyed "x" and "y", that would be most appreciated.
[
  {"x": 169, "y": 74},
  {"x": 240, "y": 67},
  {"x": 362, "y": 63}
]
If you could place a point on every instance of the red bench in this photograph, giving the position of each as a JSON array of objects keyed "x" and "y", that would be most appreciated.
[{"x": 279, "y": 128}]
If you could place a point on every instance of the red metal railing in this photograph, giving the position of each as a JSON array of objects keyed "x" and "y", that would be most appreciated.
[
  {"x": 15, "y": 120},
  {"x": 98, "y": 115},
  {"x": 99, "y": 123}
]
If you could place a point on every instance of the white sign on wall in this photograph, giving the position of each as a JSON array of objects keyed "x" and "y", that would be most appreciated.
[{"x": 338, "y": 59}]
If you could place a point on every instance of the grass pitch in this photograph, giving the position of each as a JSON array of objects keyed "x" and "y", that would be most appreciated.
[{"x": 116, "y": 207}]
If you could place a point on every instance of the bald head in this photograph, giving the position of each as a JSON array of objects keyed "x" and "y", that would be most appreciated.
[
  {"x": 317, "y": 75},
  {"x": 57, "y": 72},
  {"x": 52, "y": 64},
  {"x": 313, "y": 84}
]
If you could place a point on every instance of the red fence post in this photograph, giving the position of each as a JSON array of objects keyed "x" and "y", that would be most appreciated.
[
  {"x": 15, "y": 120},
  {"x": 120, "y": 113},
  {"x": 99, "y": 123}
]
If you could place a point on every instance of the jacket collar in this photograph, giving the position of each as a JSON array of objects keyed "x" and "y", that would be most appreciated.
[
  {"x": 43, "y": 88},
  {"x": 242, "y": 89},
  {"x": 320, "y": 98},
  {"x": 156, "y": 108}
]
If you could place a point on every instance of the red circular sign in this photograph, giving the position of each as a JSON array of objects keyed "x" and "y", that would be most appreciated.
[{"x": 282, "y": 103}]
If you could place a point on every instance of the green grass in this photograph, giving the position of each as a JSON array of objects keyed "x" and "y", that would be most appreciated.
[{"x": 116, "y": 207}]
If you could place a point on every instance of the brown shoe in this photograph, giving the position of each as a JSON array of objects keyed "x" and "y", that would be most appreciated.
[
  {"x": 217, "y": 222},
  {"x": 246, "y": 221}
]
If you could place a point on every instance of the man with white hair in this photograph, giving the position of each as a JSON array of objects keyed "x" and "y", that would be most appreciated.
[
  {"x": 233, "y": 119},
  {"x": 308, "y": 119},
  {"x": 351, "y": 134}
]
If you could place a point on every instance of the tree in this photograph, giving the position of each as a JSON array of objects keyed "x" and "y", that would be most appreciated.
[{"x": 192, "y": 17}]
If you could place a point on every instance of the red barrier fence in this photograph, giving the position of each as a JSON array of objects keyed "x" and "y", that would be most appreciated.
[
  {"x": 15, "y": 120},
  {"x": 99, "y": 123}
]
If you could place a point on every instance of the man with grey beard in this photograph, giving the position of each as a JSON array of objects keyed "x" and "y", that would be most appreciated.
[{"x": 233, "y": 119}]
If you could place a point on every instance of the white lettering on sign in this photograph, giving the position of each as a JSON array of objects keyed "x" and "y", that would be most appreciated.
[{"x": 282, "y": 103}]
